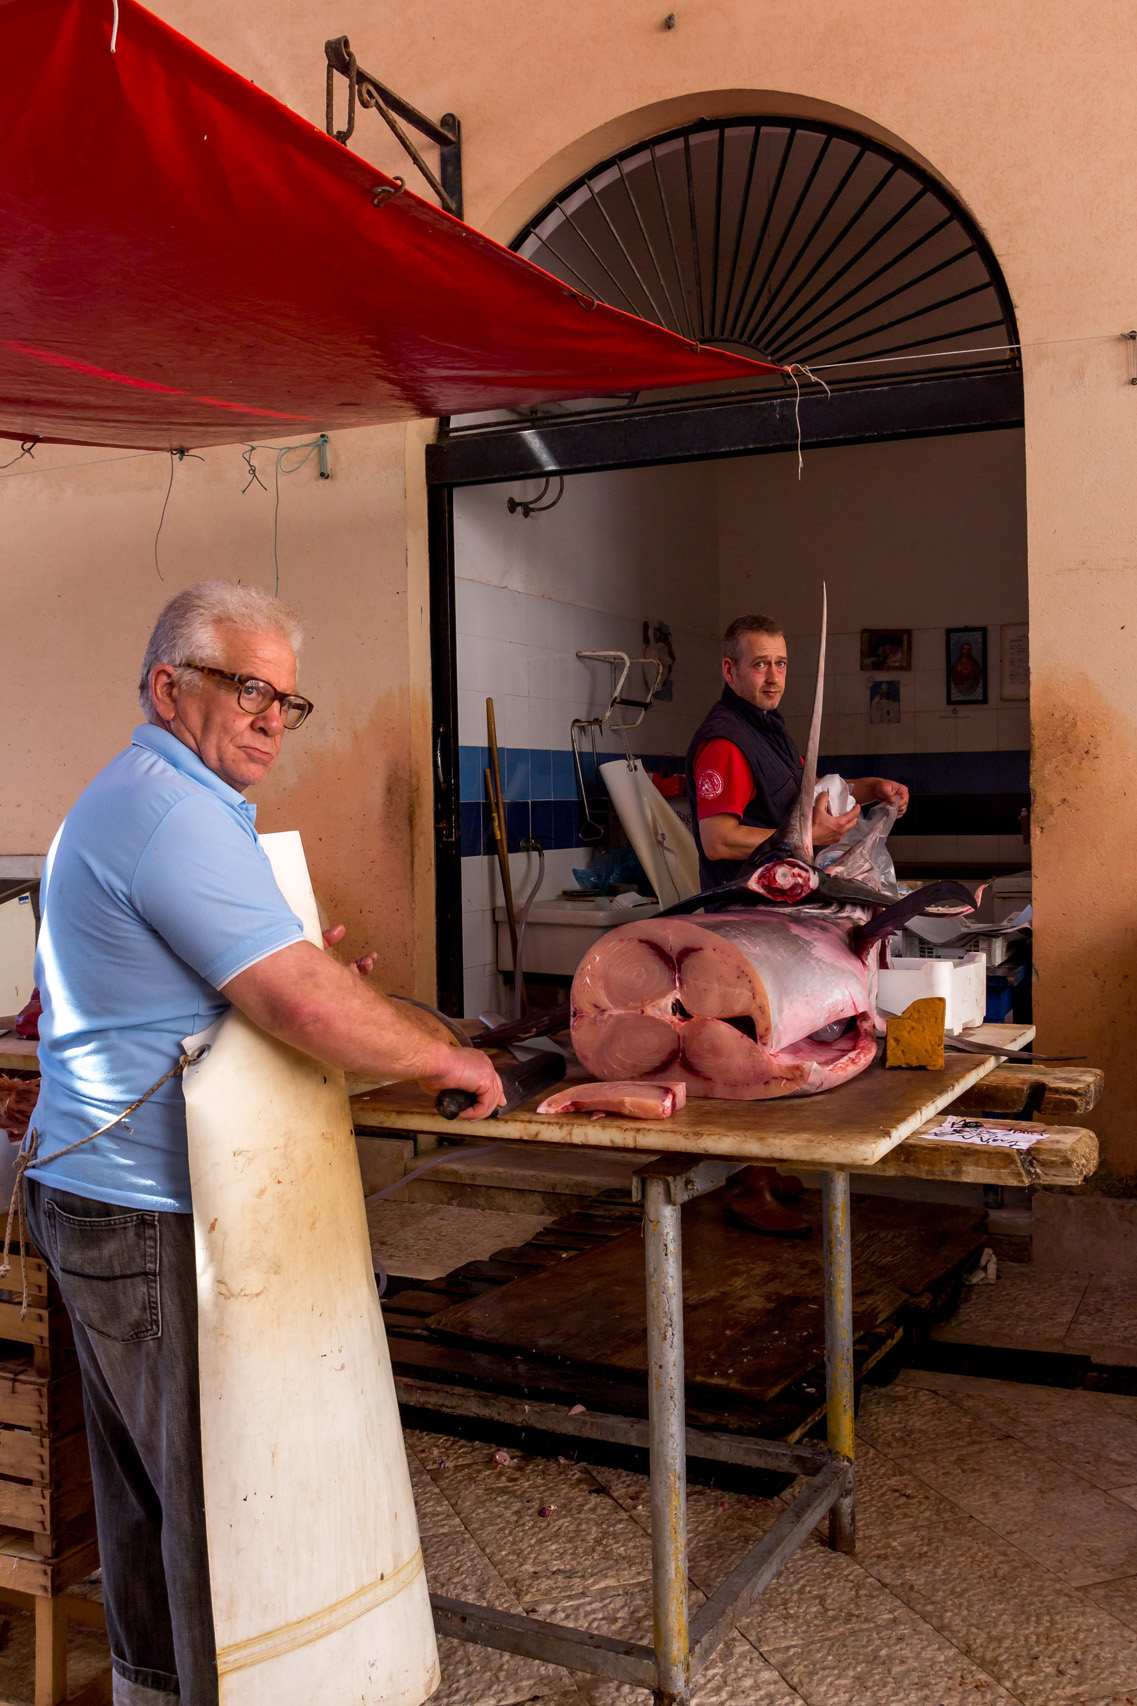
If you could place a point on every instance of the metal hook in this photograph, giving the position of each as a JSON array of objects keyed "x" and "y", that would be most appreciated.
[
  {"x": 534, "y": 506},
  {"x": 589, "y": 831},
  {"x": 387, "y": 192}
]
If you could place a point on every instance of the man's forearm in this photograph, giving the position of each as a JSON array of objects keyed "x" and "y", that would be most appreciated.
[
  {"x": 724, "y": 837},
  {"x": 309, "y": 1000}
]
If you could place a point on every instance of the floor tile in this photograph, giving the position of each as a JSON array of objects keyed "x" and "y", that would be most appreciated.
[
  {"x": 88, "y": 1656},
  {"x": 1106, "y": 1320},
  {"x": 736, "y": 1676},
  {"x": 458, "y": 1568},
  {"x": 1119, "y": 1598},
  {"x": 897, "y": 1663},
  {"x": 1041, "y": 1639},
  {"x": 1094, "y": 1433},
  {"x": 585, "y": 1544},
  {"x": 1027, "y": 1307},
  {"x": 903, "y": 1421},
  {"x": 422, "y": 1240},
  {"x": 1054, "y": 1515},
  {"x": 818, "y": 1595}
]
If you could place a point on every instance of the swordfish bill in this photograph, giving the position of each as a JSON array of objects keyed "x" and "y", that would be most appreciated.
[{"x": 798, "y": 834}]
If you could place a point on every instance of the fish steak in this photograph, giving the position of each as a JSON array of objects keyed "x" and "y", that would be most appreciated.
[{"x": 744, "y": 1005}]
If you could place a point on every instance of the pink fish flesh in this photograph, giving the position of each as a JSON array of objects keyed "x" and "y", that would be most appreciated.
[
  {"x": 742, "y": 1005},
  {"x": 639, "y": 1099}
]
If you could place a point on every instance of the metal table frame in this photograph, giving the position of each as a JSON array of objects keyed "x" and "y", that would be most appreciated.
[{"x": 683, "y": 1644}]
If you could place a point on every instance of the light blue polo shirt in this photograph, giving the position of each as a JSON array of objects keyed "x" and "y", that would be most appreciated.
[{"x": 155, "y": 893}]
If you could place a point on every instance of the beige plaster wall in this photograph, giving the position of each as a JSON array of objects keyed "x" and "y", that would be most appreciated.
[
  {"x": 81, "y": 594},
  {"x": 1025, "y": 107}
]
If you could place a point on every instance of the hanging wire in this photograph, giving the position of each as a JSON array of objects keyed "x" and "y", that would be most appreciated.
[
  {"x": 181, "y": 456},
  {"x": 91, "y": 462},
  {"x": 26, "y": 449},
  {"x": 162, "y": 517},
  {"x": 254, "y": 477},
  {"x": 311, "y": 447}
]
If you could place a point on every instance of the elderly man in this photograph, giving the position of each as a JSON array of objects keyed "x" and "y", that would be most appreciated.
[
  {"x": 159, "y": 910},
  {"x": 743, "y": 776}
]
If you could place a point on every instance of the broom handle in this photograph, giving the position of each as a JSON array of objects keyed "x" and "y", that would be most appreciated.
[{"x": 502, "y": 860}]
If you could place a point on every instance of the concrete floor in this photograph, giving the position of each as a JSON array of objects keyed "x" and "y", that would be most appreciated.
[
  {"x": 996, "y": 1560},
  {"x": 997, "y": 1532}
]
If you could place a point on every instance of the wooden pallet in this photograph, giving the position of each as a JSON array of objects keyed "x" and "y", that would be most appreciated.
[
  {"x": 529, "y": 1321},
  {"x": 47, "y": 1512}
]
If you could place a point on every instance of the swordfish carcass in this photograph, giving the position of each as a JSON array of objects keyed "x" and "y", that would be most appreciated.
[
  {"x": 772, "y": 992},
  {"x": 743, "y": 1005}
]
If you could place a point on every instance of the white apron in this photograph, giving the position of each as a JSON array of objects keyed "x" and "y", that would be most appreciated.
[{"x": 319, "y": 1597}]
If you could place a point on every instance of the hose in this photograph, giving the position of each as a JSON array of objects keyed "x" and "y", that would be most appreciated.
[{"x": 530, "y": 847}]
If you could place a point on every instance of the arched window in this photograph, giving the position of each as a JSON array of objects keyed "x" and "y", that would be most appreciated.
[{"x": 792, "y": 239}]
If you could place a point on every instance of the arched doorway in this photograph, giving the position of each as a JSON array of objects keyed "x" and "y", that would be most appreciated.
[{"x": 804, "y": 241}]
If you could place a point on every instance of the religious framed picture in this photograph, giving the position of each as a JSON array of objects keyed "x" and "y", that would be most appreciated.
[
  {"x": 966, "y": 666},
  {"x": 1015, "y": 677},
  {"x": 886, "y": 648},
  {"x": 884, "y": 701}
]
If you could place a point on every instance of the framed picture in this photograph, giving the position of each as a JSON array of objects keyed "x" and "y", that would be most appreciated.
[
  {"x": 966, "y": 666},
  {"x": 1015, "y": 679},
  {"x": 884, "y": 701},
  {"x": 886, "y": 648}
]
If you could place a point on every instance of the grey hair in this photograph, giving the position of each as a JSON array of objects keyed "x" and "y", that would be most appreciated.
[
  {"x": 732, "y": 639},
  {"x": 187, "y": 630}
]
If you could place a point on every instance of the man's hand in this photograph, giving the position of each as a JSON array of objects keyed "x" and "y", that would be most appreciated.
[
  {"x": 469, "y": 1069},
  {"x": 363, "y": 966},
  {"x": 827, "y": 828},
  {"x": 870, "y": 788},
  {"x": 18, "y": 1097}
]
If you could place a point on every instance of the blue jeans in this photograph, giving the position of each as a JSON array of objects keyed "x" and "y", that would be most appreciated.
[{"x": 128, "y": 1279}]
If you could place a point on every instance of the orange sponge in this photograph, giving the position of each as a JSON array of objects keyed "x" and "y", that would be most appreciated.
[{"x": 916, "y": 1036}]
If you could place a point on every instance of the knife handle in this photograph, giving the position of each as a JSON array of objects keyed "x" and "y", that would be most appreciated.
[{"x": 451, "y": 1103}]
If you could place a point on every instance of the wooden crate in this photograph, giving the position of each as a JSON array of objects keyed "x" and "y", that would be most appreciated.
[{"x": 47, "y": 1511}]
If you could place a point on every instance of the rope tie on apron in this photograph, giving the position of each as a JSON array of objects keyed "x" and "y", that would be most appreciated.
[{"x": 28, "y": 1157}]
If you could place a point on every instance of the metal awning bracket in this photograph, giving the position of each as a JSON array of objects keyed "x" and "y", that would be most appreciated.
[{"x": 368, "y": 91}]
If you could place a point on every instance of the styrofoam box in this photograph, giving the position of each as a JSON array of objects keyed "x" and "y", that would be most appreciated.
[{"x": 962, "y": 983}]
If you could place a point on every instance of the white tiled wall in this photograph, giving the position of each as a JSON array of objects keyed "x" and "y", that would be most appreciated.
[
  {"x": 481, "y": 892},
  {"x": 618, "y": 549}
]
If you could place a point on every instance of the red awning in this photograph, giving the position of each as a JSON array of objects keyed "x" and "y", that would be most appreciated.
[{"x": 185, "y": 261}]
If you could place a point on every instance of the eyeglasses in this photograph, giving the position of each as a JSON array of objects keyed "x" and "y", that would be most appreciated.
[{"x": 254, "y": 695}]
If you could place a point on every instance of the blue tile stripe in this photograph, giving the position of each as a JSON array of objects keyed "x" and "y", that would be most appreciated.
[{"x": 540, "y": 786}]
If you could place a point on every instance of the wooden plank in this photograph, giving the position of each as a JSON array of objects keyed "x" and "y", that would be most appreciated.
[
  {"x": 47, "y": 1403},
  {"x": 22, "y": 1567},
  {"x": 18, "y": 1054},
  {"x": 39, "y": 1326},
  {"x": 51, "y": 1651},
  {"x": 1062, "y": 1155},
  {"x": 13, "y": 1282},
  {"x": 852, "y": 1126},
  {"x": 1051, "y": 1092},
  {"x": 50, "y": 1512},
  {"x": 753, "y": 1307}
]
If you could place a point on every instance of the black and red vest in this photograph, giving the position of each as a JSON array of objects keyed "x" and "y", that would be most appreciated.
[{"x": 775, "y": 764}]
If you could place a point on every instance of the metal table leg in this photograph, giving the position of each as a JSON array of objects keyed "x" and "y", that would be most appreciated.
[
  {"x": 839, "y": 1348},
  {"x": 681, "y": 1646},
  {"x": 667, "y": 1431}
]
